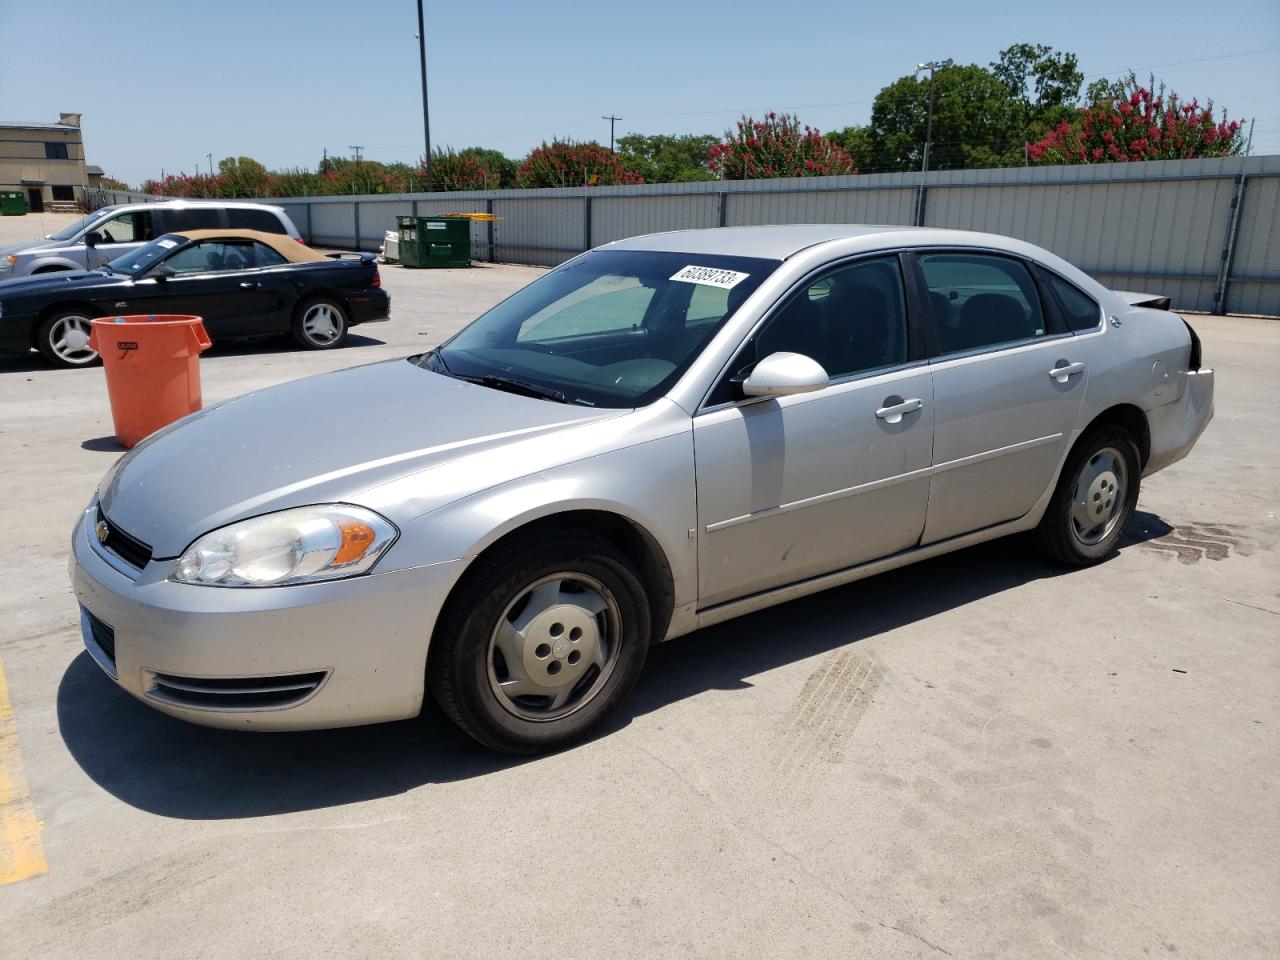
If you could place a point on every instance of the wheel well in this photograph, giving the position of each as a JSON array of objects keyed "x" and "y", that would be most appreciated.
[
  {"x": 636, "y": 544},
  {"x": 56, "y": 268},
  {"x": 49, "y": 311},
  {"x": 1129, "y": 417},
  {"x": 326, "y": 293}
]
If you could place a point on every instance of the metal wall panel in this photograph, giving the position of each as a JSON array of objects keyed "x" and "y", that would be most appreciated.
[
  {"x": 333, "y": 224},
  {"x": 615, "y": 218},
  {"x": 1160, "y": 226},
  {"x": 750, "y": 208},
  {"x": 1256, "y": 267}
]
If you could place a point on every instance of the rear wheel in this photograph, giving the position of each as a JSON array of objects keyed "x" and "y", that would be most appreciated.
[
  {"x": 63, "y": 338},
  {"x": 1095, "y": 497},
  {"x": 541, "y": 643},
  {"x": 319, "y": 323}
]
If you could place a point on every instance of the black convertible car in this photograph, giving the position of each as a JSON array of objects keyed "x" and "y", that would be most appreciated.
[{"x": 243, "y": 283}]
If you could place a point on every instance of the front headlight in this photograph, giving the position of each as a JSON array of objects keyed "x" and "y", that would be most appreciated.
[
  {"x": 303, "y": 545},
  {"x": 8, "y": 263}
]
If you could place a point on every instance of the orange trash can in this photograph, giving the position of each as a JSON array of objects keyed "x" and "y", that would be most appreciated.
[{"x": 152, "y": 365}]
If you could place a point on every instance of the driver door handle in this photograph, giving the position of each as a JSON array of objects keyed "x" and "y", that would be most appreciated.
[
  {"x": 250, "y": 285},
  {"x": 1062, "y": 373},
  {"x": 894, "y": 412}
]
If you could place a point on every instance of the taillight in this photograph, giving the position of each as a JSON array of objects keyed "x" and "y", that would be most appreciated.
[{"x": 377, "y": 278}]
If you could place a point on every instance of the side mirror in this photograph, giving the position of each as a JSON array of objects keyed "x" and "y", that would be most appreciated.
[
  {"x": 161, "y": 271},
  {"x": 92, "y": 238},
  {"x": 782, "y": 374}
]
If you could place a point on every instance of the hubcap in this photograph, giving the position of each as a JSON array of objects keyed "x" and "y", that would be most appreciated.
[
  {"x": 554, "y": 647},
  {"x": 322, "y": 324},
  {"x": 69, "y": 338},
  {"x": 1098, "y": 503}
]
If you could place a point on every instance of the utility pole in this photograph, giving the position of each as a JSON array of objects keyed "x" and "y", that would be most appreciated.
[
  {"x": 324, "y": 164},
  {"x": 931, "y": 66},
  {"x": 612, "y": 120},
  {"x": 426, "y": 123},
  {"x": 356, "y": 148},
  {"x": 1248, "y": 147},
  {"x": 210, "y": 157}
]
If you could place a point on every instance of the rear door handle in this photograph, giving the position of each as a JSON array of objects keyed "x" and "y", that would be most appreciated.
[
  {"x": 250, "y": 285},
  {"x": 1062, "y": 373},
  {"x": 895, "y": 408}
]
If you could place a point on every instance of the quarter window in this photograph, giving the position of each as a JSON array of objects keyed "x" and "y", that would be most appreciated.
[
  {"x": 980, "y": 301},
  {"x": 267, "y": 257},
  {"x": 1082, "y": 311}
]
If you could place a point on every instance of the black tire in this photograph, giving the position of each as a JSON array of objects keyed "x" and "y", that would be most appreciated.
[
  {"x": 307, "y": 334},
  {"x": 52, "y": 332},
  {"x": 465, "y": 664},
  {"x": 1059, "y": 533}
]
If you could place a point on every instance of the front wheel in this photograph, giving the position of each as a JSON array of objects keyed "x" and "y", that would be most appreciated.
[
  {"x": 1095, "y": 497},
  {"x": 541, "y": 643},
  {"x": 63, "y": 338},
  {"x": 320, "y": 323}
]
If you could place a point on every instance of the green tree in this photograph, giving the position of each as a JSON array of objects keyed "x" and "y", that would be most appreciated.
[
  {"x": 975, "y": 123},
  {"x": 1043, "y": 84},
  {"x": 668, "y": 159}
]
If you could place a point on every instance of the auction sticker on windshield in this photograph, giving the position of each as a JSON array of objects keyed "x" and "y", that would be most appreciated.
[{"x": 711, "y": 276}]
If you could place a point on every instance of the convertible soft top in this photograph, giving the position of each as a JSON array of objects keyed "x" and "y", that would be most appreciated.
[{"x": 286, "y": 246}]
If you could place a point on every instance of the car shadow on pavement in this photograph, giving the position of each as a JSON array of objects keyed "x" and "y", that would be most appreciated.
[
  {"x": 266, "y": 346},
  {"x": 176, "y": 769}
]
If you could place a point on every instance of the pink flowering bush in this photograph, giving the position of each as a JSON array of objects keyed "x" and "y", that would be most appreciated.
[
  {"x": 565, "y": 163},
  {"x": 1139, "y": 124},
  {"x": 778, "y": 146}
]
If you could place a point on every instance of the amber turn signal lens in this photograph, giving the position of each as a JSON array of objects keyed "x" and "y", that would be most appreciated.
[{"x": 357, "y": 537}]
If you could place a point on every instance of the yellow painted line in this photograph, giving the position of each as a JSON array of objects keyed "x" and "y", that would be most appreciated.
[{"x": 21, "y": 840}]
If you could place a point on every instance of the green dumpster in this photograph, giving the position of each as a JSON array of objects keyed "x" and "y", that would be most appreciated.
[
  {"x": 12, "y": 203},
  {"x": 435, "y": 241}
]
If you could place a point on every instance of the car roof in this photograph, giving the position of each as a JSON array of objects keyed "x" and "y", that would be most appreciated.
[
  {"x": 286, "y": 246},
  {"x": 778, "y": 242}
]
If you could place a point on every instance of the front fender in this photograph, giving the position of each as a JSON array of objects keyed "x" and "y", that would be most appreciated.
[
  {"x": 49, "y": 265},
  {"x": 649, "y": 484}
]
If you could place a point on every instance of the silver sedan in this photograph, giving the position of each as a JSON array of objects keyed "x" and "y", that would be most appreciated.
[{"x": 659, "y": 435}]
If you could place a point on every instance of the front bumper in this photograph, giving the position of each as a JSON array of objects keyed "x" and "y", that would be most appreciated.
[{"x": 309, "y": 656}]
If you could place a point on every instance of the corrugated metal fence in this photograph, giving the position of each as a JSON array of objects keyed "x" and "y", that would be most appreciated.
[{"x": 1204, "y": 232}]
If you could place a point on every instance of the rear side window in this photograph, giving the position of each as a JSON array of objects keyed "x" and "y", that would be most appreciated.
[
  {"x": 266, "y": 257},
  {"x": 264, "y": 220},
  {"x": 1081, "y": 310},
  {"x": 193, "y": 218},
  {"x": 980, "y": 300}
]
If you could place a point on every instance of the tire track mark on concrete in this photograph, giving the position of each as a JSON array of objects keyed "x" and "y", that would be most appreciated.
[{"x": 820, "y": 721}]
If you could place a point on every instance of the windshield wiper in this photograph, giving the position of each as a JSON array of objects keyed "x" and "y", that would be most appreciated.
[{"x": 523, "y": 387}]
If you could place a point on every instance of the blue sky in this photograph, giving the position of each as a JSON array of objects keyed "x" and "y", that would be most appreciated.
[{"x": 161, "y": 84}]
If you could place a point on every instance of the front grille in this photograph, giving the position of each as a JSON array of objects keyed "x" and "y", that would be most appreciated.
[
  {"x": 235, "y": 693},
  {"x": 103, "y": 635},
  {"x": 129, "y": 549}
]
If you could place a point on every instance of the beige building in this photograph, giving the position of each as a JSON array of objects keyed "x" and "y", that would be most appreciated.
[{"x": 45, "y": 161}]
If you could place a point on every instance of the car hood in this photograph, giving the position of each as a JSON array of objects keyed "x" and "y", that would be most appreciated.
[
  {"x": 322, "y": 439},
  {"x": 63, "y": 280},
  {"x": 27, "y": 246}
]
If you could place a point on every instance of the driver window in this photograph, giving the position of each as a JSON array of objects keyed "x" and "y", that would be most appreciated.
[
  {"x": 121, "y": 229},
  {"x": 850, "y": 320},
  {"x": 211, "y": 256}
]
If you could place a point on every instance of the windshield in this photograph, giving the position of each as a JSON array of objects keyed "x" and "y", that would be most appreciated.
[
  {"x": 142, "y": 259},
  {"x": 610, "y": 329},
  {"x": 66, "y": 233}
]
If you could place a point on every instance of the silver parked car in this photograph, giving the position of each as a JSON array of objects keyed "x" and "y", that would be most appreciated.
[
  {"x": 112, "y": 232},
  {"x": 659, "y": 435}
]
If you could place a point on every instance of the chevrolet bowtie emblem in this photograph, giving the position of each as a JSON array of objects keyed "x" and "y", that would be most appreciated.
[{"x": 102, "y": 530}]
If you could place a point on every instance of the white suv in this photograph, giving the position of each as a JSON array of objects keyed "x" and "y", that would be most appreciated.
[{"x": 112, "y": 231}]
